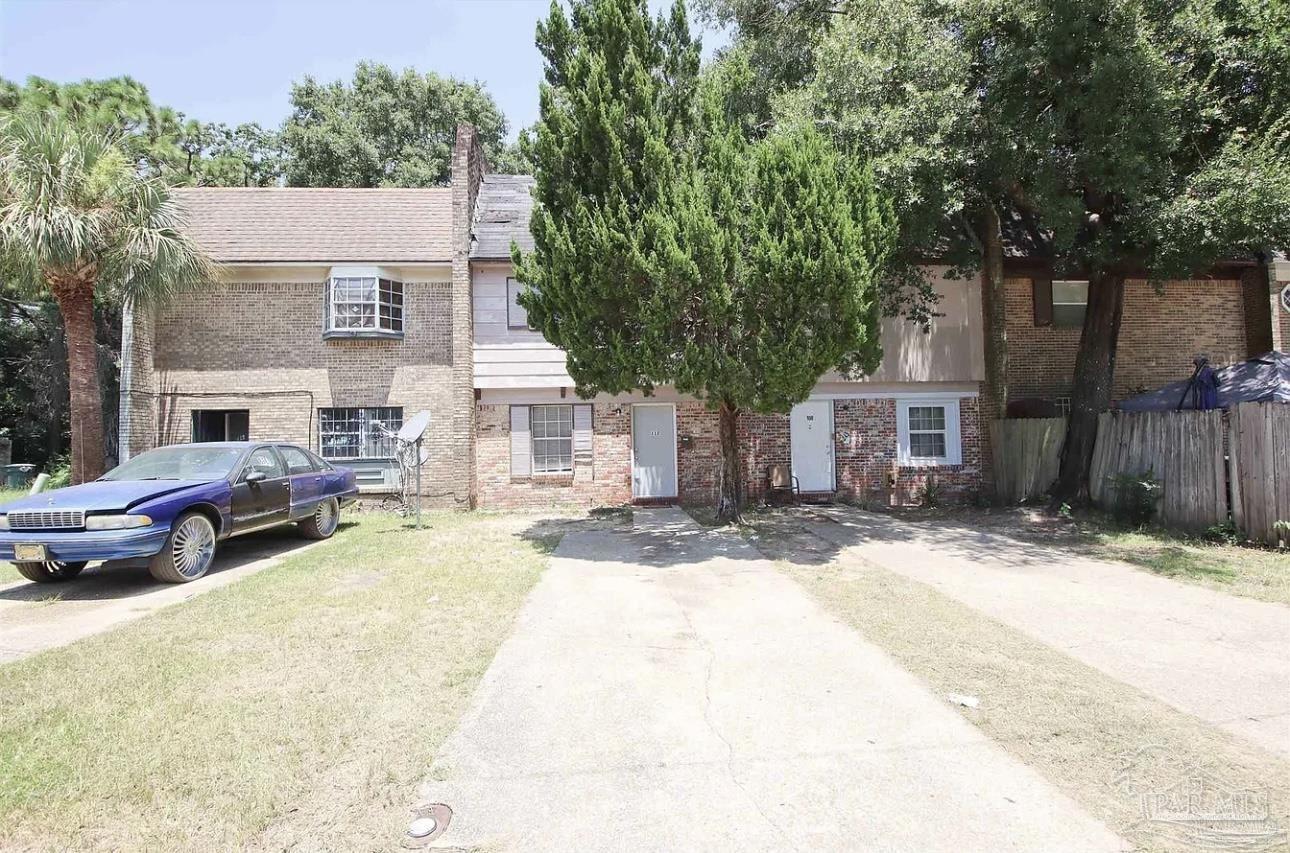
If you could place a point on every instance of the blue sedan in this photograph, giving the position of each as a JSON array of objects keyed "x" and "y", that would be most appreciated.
[{"x": 171, "y": 506}]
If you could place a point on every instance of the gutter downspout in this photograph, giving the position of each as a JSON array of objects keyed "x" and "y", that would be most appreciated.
[{"x": 127, "y": 381}]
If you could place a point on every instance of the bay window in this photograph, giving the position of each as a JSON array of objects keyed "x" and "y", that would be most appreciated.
[{"x": 363, "y": 302}]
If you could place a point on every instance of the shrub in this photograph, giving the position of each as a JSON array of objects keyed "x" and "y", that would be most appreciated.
[
  {"x": 930, "y": 492},
  {"x": 1136, "y": 498},
  {"x": 1226, "y": 533},
  {"x": 60, "y": 472}
]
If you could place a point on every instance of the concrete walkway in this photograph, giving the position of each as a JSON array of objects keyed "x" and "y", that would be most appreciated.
[
  {"x": 35, "y": 617},
  {"x": 667, "y": 689},
  {"x": 1218, "y": 657}
]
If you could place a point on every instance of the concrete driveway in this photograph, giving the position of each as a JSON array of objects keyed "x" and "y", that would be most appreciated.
[
  {"x": 667, "y": 689},
  {"x": 35, "y": 617},
  {"x": 1218, "y": 657}
]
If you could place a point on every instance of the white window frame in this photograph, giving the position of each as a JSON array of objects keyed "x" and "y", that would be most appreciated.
[
  {"x": 1056, "y": 303},
  {"x": 387, "y": 304},
  {"x": 516, "y": 316},
  {"x": 562, "y": 409},
  {"x": 953, "y": 441}
]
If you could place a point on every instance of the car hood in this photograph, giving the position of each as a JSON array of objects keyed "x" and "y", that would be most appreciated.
[{"x": 102, "y": 495}]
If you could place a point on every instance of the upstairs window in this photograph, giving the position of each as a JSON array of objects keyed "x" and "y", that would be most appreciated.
[
  {"x": 1070, "y": 301},
  {"x": 359, "y": 306},
  {"x": 359, "y": 433},
  {"x": 516, "y": 316}
]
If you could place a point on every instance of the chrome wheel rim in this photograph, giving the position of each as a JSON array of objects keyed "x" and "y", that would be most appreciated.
[
  {"x": 193, "y": 547},
  {"x": 326, "y": 517}
]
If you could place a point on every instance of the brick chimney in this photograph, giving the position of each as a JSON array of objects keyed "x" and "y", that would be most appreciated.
[{"x": 468, "y": 168}]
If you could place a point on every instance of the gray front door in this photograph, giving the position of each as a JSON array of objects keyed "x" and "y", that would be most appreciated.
[{"x": 653, "y": 450}]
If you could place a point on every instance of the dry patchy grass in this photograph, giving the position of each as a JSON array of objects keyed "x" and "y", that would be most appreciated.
[
  {"x": 1100, "y": 741},
  {"x": 297, "y": 708}
]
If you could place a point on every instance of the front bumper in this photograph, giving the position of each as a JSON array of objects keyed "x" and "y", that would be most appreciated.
[{"x": 75, "y": 546}]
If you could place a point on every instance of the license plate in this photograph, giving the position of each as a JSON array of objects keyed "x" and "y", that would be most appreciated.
[{"x": 28, "y": 553}]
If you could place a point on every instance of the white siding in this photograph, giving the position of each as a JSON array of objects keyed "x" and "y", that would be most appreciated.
[
  {"x": 950, "y": 352},
  {"x": 506, "y": 357}
]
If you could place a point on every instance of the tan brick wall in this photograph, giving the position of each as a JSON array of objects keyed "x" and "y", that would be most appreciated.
[
  {"x": 468, "y": 167},
  {"x": 1280, "y": 317},
  {"x": 604, "y": 481},
  {"x": 866, "y": 459},
  {"x": 1159, "y": 335},
  {"x": 259, "y": 346}
]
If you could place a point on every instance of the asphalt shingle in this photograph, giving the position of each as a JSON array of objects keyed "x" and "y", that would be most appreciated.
[
  {"x": 502, "y": 212},
  {"x": 290, "y": 224}
]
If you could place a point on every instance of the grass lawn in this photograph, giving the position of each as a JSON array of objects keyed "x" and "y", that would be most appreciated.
[
  {"x": 1103, "y": 743},
  {"x": 300, "y": 706}
]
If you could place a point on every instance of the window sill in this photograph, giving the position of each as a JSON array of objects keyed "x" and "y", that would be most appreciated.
[
  {"x": 350, "y": 334},
  {"x": 928, "y": 463}
]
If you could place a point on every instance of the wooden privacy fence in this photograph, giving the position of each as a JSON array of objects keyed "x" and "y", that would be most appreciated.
[
  {"x": 1182, "y": 450},
  {"x": 1027, "y": 456},
  {"x": 1260, "y": 469}
]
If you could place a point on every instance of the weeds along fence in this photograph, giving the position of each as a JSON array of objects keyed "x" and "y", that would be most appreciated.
[
  {"x": 1027, "y": 455},
  {"x": 1259, "y": 469},
  {"x": 1184, "y": 451}
]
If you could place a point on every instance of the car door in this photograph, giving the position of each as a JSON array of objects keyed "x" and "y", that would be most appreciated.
[
  {"x": 260, "y": 502},
  {"x": 306, "y": 480}
]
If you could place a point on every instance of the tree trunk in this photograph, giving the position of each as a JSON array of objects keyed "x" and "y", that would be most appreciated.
[
  {"x": 75, "y": 299},
  {"x": 1091, "y": 390},
  {"x": 993, "y": 309},
  {"x": 730, "y": 502}
]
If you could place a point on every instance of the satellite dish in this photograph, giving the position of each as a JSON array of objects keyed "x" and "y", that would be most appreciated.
[{"x": 413, "y": 430}]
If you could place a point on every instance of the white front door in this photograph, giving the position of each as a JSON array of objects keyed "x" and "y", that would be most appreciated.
[
  {"x": 653, "y": 450},
  {"x": 810, "y": 428}
]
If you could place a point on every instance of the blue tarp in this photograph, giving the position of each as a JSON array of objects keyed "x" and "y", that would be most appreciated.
[{"x": 1262, "y": 379}]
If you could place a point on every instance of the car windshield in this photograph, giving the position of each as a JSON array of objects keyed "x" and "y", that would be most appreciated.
[{"x": 178, "y": 463}]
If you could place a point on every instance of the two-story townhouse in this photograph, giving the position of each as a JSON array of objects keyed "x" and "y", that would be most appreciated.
[
  {"x": 340, "y": 312},
  {"x": 537, "y": 444}
]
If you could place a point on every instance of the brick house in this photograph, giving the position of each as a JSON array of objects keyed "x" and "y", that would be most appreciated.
[{"x": 340, "y": 312}]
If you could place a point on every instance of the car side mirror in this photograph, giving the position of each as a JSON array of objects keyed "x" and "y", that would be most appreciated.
[{"x": 254, "y": 477}]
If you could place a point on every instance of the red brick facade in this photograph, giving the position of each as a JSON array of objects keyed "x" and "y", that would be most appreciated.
[
  {"x": 865, "y": 455},
  {"x": 1160, "y": 334}
]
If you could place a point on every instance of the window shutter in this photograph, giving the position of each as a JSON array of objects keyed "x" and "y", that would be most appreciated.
[
  {"x": 1041, "y": 288},
  {"x": 582, "y": 433},
  {"x": 327, "y": 305},
  {"x": 521, "y": 443}
]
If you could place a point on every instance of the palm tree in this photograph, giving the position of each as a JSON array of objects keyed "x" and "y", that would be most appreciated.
[{"x": 78, "y": 220}]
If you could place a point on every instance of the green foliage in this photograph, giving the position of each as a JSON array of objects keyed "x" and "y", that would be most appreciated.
[
  {"x": 161, "y": 142},
  {"x": 72, "y": 206},
  {"x": 59, "y": 470},
  {"x": 1226, "y": 533},
  {"x": 1136, "y": 497},
  {"x": 387, "y": 129},
  {"x": 670, "y": 247}
]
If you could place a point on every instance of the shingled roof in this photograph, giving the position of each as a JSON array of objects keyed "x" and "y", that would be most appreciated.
[
  {"x": 501, "y": 215},
  {"x": 289, "y": 224}
]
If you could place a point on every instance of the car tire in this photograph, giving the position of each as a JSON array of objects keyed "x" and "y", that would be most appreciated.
[
  {"x": 188, "y": 552},
  {"x": 324, "y": 521},
  {"x": 52, "y": 572}
]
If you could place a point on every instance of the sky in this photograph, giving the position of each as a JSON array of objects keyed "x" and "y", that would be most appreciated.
[{"x": 234, "y": 60}]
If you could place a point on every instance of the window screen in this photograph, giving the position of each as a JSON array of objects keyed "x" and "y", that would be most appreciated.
[
  {"x": 1070, "y": 300},
  {"x": 552, "y": 436}
]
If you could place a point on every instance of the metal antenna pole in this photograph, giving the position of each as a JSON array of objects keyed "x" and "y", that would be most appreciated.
[{"x": 418, "y": 460}]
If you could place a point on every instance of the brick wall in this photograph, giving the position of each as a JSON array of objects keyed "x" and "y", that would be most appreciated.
[
  {"x": 259, "y": 346},
  {"x": 468, "y": 167},
  {"x": 604, "y": 481},
  {"x": 866, "y": 458},
  {"x": 1159, "y": 335},
  {"x": 1280, "y": 319}
]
